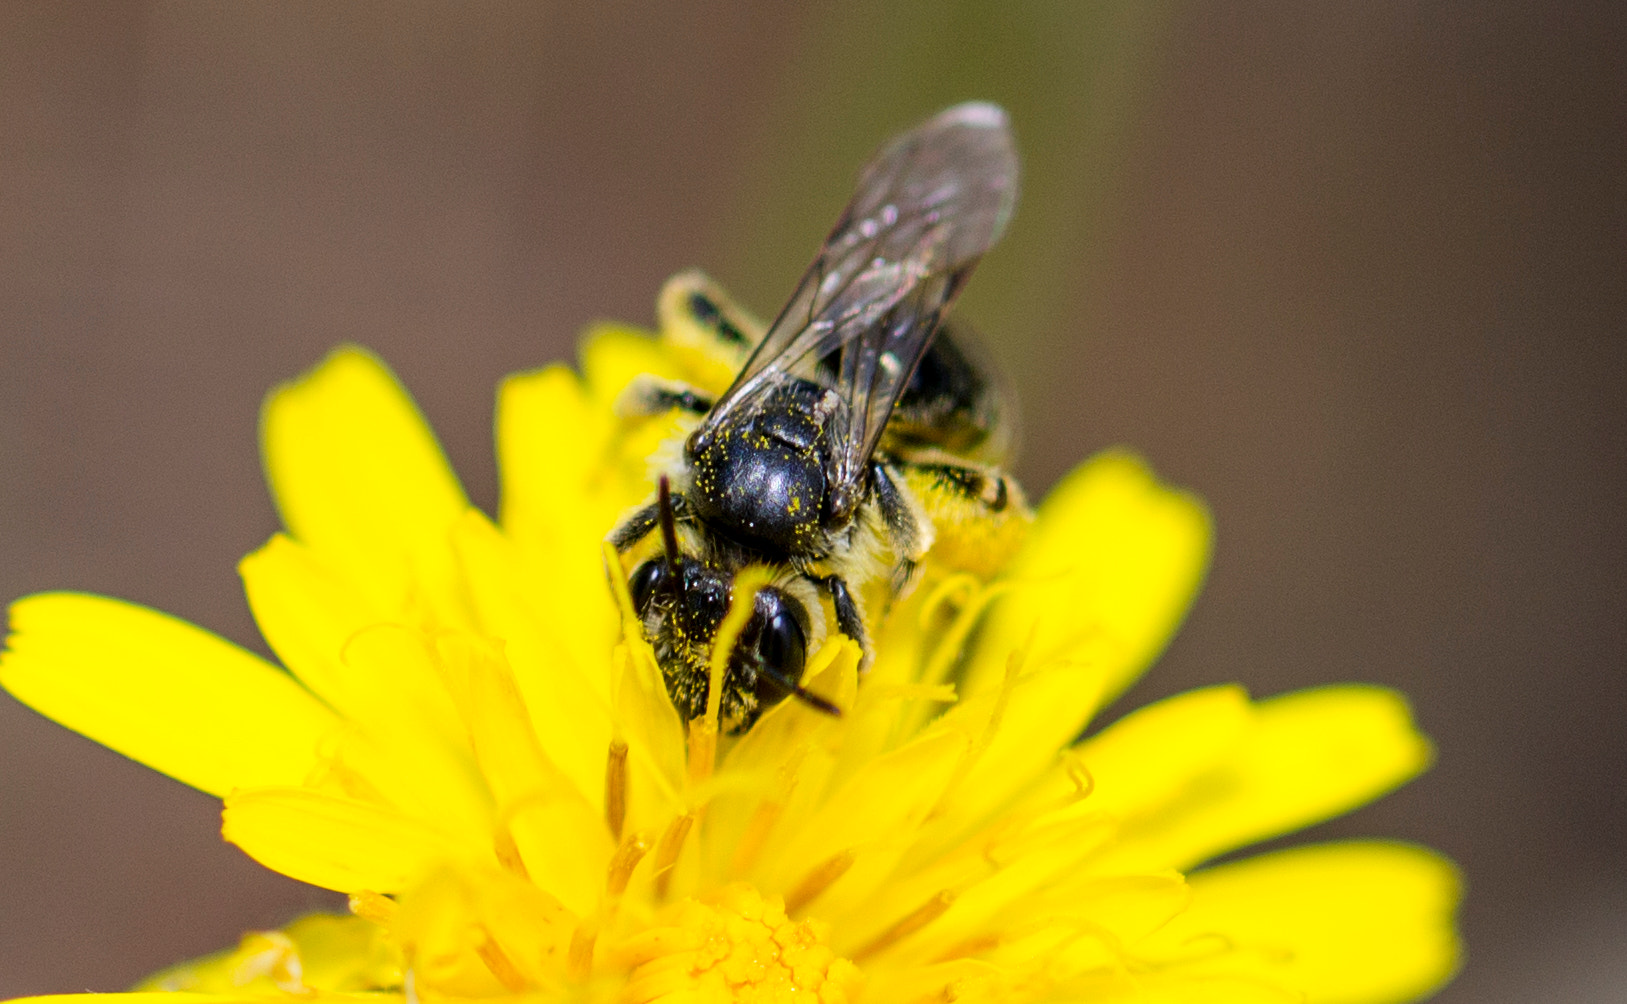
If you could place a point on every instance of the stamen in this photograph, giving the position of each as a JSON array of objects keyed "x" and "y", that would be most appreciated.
[
  {"x": 925, "y": 914},
  {"x": 501, "y": 965},
  {"x": 1083, "y": 781},
  {"x": 627, "y": 856},
  {"x": 368, "y": 905},
  {"x": 351, "y": 781},
  {"x": 767, "y": 813},
  {"x": 579, "y": 960},
  {"x": 507, "y": 851},
  {"x": 757, "y": 830},
  {"x": 615, "y": 788},
  {"x": 958, "y": 589},
  {"x": 818, "y": 880},
  {"x": 666, "y": 855},
  {"x": 930, "y": 693},
  {"x": 702, "y": 748},
  {"x": 703, "y": 731},
  {"x": 970, "y": 947},
  {"x": 618, "y": 588},
  {"x": 952, "y": 641},
  {"x": 742, "y": 602}
]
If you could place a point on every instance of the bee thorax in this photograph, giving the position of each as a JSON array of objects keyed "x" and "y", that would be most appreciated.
[{"x": 762, "y": 488}]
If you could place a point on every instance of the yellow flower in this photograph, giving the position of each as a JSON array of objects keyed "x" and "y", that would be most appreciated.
[{"x": 468, "y": 743}]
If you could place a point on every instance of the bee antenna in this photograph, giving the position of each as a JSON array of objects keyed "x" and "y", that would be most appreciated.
[
  {"x": 816, "y": 702},
  {"x": 669, "y": 523},
  {"x": 800, "y": 692}
]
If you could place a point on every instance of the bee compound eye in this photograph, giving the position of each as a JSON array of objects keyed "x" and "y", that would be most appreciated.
[
  {"x": 782, "y": 651},
  {"x": 646, "y": 579}
]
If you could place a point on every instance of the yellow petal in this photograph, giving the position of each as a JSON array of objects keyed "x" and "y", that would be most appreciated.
[
  {"x": 1006, "y": 891},
  {"x": 307, "y": 613},
  {"x": 408, "y": 771},
  {"x": 872, "y": 819},
  {"x": 1149, "y": 756},
  {"x": 1107, "y": 572},
  {"x": 570, "y": 467},
  {"x": 614, "y": 355},
  {"x": 1012, "y": 737},
  {"x": 343, "y": 953},
  {"x": 316, "y": 952},
  {"x": 566, "y": 481},
  {"x": 371, "y": 668},
  {"x": 239, "y": 997},
  {"x": 474, "y": 933},
  {"x": 965, "y": 981},
  {"x": 358, "y": 476},
  {"x": 764, "y": 767},
  {"x": 890, "y": 795},
  {"x": 338, "y": 843},
  {"x": 1085, "y": 931},
  {"x": 551, "y": 439},
  {"x": 1045, "y": 710},
  {"x": 163, "y": 692},
  {"x": 1127, "y": 908},
  {"x": 1307, "y": 756},
  {"x": 654, "y": 734},
  {"x": 1115, "y": 987},
  {"x": 1354, "y": 922},
  {"x": 557, "y": 827},
  {"x": 404, "y": 743},
  {"x": 559, "y": 658}
]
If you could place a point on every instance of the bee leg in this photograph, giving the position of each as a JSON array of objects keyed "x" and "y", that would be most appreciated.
[
  {"x": 692, "y": 309},
  {"x": 648, "y": 395},
  {"x": 977, "y": 485},
  {"x": 909, "y": 532},
  {"x": 905, "y": 577},
  {"x": 710, "y": 310},
  {"x": 979, "y": 515},
  {"x": 848, "y": 619},
  {"x": 635, "y": 527}
]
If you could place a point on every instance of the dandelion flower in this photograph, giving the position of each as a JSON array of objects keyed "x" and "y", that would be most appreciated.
[{"x": 464, "y": 738}]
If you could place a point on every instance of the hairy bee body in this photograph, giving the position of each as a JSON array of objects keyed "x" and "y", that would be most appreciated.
[{"x": 851, "y": 439}]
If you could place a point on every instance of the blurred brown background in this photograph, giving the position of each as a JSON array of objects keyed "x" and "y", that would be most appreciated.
[{"x": 1356, "y": 275}]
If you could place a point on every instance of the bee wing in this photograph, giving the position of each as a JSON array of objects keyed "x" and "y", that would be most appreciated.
[{"x": 928, "y": 205}]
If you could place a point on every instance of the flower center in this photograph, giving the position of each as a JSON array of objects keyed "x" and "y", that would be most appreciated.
[{"x": 736, "y": 947}]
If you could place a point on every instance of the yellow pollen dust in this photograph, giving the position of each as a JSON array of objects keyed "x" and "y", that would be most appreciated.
[{"x": 736, "y": 948}]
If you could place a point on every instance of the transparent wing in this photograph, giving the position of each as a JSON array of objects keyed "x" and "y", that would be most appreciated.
[{"x": 928, "y": 205}]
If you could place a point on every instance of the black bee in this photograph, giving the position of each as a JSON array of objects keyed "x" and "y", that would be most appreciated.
[{"x": 846, "y": 435}]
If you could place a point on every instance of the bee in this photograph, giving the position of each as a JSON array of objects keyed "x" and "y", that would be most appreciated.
[{"x": 851, "y": 437}]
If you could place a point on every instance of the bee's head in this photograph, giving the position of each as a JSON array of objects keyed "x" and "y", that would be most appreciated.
[{"x": 681, "y": 602}]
